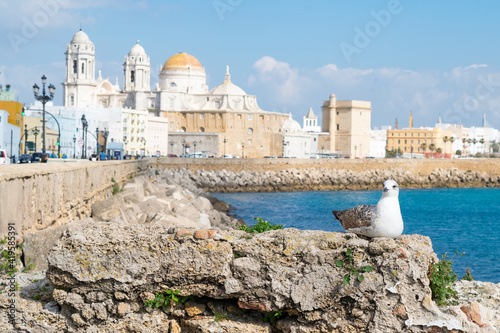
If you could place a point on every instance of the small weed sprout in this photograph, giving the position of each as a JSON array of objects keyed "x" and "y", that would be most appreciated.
[
  {"x": 348, "y": 264},
  {"x": 468, "y": 275},
  {"x": 7, "y": 261},
  {"x": 163, "y": 300},
  {"x": 271, "y": 317},
  {"x": 442, "y": 277},
  {"x": 260, "y": 226},
  {"x": 219, "y": 316}
]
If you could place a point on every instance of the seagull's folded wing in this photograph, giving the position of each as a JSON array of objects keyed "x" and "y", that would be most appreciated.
[{"x": 357, "y": 217}]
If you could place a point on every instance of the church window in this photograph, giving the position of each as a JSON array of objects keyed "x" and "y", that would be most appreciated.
[
  {"x": 249, "y": 130},
  {"x": 132, "y": 76},
  {"x": 183, "y": 129},
  {"x": 249, "y": 141},
  {"x": 83, "y": 68},
  {"x": 172, "y": 84},
  {"x": 74, "y": 67},
  {"x": 72, "y": 100},
  {"x": 337, "y": 113},
  {"x": 202, "y": 116},
  {"x": 202, "y": 129},
  {"x": 250, "y": 117},
  {"x": 338, "y": 127}
]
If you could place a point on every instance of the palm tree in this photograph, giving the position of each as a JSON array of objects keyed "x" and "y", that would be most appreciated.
[
  {"x": 445, "y": 139},
  {"x": 469, "y": 141},
  {"x": 452, "y": 139},
  {"x": 439, "y": 151},
  {"x": 464, "y": 144},
  {"x": 432, "y": 147},
  {"x": 423, "y": 146},
  {"x": 474, "y": 141},
  {"x": 481, "y": 141}
]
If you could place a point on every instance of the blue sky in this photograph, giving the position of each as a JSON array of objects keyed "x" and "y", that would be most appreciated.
[{"x": 434, "y": 58}]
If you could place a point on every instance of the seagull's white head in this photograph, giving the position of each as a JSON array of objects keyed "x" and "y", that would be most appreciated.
[{"x": 391, "y": 189}]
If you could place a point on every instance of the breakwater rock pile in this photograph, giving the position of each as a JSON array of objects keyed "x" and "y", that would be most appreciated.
[{"x": 312, "y": 179}]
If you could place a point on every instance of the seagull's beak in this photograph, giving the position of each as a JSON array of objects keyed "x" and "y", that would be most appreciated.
[{"x": 386, "y": 189}]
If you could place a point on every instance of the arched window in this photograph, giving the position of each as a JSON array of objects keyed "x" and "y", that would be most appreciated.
[
  {"x": 83, "y": 67},
  {"x": 202, "y": 129},
  {"x": 172, "y": 84},
  {"x": 183, "y": 129}
]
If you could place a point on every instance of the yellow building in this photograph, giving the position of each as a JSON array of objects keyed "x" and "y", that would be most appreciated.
[
  {"x": 420, "y": 142},
  {"x": 14, "y": 109}
]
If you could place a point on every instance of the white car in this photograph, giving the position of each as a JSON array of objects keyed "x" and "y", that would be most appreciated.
[{"x": 4, "y": 157}]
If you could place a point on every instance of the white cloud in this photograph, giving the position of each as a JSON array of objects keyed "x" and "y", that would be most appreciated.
[{"x": 462, "y": 94}]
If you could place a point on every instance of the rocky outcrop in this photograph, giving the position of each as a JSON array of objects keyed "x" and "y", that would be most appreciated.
[
  {"x": 104, "y": 271},
  {"x": 315, "y": 179}
]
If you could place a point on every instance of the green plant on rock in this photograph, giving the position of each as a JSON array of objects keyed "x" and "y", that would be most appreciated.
[
  {"x": 9, "y": 262},
  {"x": 271, "y": 317},
  {"x": 349, "y": 265},
  {"x": 163, "y": 300},
  {"x": 116, "y": 188},
  {"x": 468, "y": 275},
  {"x": 260, "y": 226},
  {"x": 442, "y": 277},
  {"x": 219, "y": 316}
]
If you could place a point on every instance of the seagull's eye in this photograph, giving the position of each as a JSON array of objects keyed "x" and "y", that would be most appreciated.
[{"x": 394, "y": 186}]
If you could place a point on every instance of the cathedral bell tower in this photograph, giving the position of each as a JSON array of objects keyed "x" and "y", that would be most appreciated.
[
  {"x": 136, "y": 69},
  {"x": 79, "y": 85}
]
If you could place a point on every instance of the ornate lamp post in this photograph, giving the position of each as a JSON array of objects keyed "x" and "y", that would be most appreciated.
[
  {"x": 242, "y": 150},
  {"x": 106, "y": 134},
  {"x": 194, "y": 144},
  {"x": 183, "y": 147},
  {"x": 74, "y": 145},
  {"x": 85, "y": 125},
  {"x": 35, "y": 133},
  {"x": 44, "y": 99},
  {"x": 25, "y": 136}
]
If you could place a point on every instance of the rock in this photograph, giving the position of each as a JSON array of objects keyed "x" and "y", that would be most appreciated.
[
  {"x": 193, "y": 308},
  {"x": 37, "y": 245}
]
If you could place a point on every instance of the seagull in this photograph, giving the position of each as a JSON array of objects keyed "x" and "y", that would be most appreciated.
[{"x": 382, "y": 220}]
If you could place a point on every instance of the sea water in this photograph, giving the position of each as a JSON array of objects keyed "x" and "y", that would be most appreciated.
[{"x": 465, "y": 220}]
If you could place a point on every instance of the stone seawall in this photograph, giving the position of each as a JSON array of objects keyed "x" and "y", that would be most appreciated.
[{"x": 34, "y": 196}]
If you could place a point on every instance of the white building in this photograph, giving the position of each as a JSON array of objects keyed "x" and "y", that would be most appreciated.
[
  {"x": 310, "y": 122},
  {"x": 378, "y": 142}
]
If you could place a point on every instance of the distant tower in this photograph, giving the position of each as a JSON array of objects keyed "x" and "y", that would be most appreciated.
[
  {"x": 439, "y": 120},
  {"x": 311, "y": 122},
  {"x": 79, "y": 82},
  {"x": 330, "y": 119},
  {"x": 410, "y": 124},
  {"x": 136, "y": 69},
  {"x": 396, "y": 124}
]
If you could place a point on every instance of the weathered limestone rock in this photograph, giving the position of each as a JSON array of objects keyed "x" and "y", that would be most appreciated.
[
  {"x": 288, "y": 271},
  {"x": 37, "y": 244}
]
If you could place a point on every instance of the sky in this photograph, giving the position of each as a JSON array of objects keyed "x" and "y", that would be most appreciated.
[{"x": 431, "y": 58}]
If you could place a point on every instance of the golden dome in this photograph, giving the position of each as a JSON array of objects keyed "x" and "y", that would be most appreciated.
[{"x": 182, "y": 61}]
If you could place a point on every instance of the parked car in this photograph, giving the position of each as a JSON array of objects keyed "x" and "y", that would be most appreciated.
[
  {"x": 172, "y": 155},
  {"x": 4, "y": 157},
  {"x": 39, "y": 158},
  {"x": 24, "y": 158}
]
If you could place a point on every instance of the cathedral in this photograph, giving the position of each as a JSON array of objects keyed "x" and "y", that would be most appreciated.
[{"x": 223, "y": 120}]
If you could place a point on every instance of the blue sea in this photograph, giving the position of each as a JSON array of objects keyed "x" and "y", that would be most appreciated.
[{"x": 467, "y": 220}]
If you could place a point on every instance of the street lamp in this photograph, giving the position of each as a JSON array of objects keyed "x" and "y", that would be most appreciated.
[
  {"x": 285, "y": 143},
  {"x": 35, "y": 133},
  {"x": 355, "y": 148},
  {"x": 194, "y": 144},
  {"x": 106, "y": 134},
  {"x": 25, "y": 136},
  {"x": 225, "y": 140},
  {"x": 74, "y": 145},
  {"x": 97, "y": 139},
  {"x": 171, "y": 147},
  {"x": 322, "y": 148},
  {"x": 85, "y": 125},
  {"x": 44, "y": 99},
  {"x": 183, "y": 147},
  {"x": 242, "y": 150}
]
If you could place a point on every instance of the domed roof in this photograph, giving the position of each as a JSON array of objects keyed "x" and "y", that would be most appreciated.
[
  {"x": 81, "y": 38},
  {"x": 290, "y": 126},
  {"x": 182, "y": 61},
  {"x": 137, "y": 50},
  {"x": 227, "y": 87}
]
